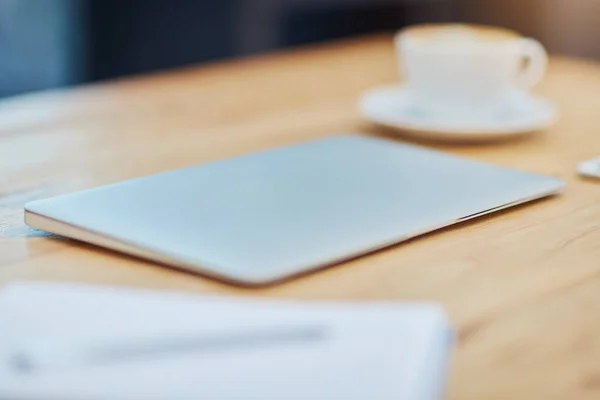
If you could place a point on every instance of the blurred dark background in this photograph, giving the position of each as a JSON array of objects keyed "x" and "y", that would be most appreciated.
[
  {"x": 133, "y": 36},
  {"x": 53, "y": 43},
  {"x": 50, "y": 43}
]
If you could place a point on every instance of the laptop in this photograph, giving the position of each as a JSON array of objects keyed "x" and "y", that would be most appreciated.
[{"x": 268, "y": 216}]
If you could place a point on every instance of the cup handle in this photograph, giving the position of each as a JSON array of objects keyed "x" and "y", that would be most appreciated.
[{"x": 537, "y": 61}]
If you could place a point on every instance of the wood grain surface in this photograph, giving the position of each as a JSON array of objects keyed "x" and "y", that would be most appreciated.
[{"x": 522, "y": 287}]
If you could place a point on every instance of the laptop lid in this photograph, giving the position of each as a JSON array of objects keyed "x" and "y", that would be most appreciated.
[{"x": 266, "y": 216}]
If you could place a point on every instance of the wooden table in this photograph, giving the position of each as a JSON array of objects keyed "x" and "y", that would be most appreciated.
[{"x": 522, "y": 287}]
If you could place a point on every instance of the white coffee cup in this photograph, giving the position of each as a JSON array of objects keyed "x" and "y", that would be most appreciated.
[{"x": 467, "y": 71}]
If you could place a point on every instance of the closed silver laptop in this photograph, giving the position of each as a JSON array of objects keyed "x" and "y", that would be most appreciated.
[{"x": 267, "y": 216}]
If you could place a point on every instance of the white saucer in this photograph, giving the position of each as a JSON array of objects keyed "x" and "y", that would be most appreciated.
[{"x": 391, "y": 106}]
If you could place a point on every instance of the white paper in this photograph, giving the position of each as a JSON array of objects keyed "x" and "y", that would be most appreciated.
[{"x": 371, "y": 351}]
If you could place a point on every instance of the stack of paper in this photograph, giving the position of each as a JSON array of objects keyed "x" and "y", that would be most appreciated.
[{"x": 80, "y": 342}]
